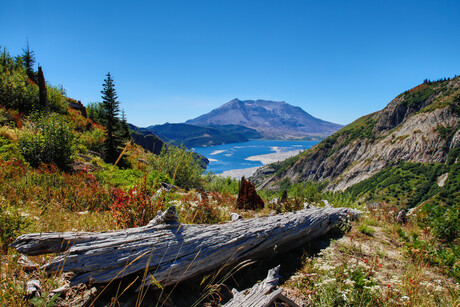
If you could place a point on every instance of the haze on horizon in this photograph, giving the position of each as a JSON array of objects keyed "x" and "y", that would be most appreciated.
[{"x": 176, "y": 60}]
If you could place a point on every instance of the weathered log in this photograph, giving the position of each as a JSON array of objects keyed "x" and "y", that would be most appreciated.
[
  {"x": 261, "y": 294},
  {"x": 173, "y": 252}
]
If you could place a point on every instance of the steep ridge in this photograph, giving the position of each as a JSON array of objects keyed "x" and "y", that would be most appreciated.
[
  {"x": 420, "y": 125},
  {"x": 273, "y": 119}
]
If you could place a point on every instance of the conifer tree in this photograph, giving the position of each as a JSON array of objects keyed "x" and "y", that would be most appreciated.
[
  {"x": 28, "y": 58},
  {"x": 110, "y": 120},
  {"x": 124, "y": 128}
]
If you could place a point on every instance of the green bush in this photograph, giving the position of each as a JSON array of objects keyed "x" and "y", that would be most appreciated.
[
  {"x": 93, "y": 139},
  {"x": 214, "y": 183},
  {"x": 126, "y": 179},
  {"x": 47, "y": 139},
  {"x": 179, "y": 164},
  {"x": 56, "y": 99},
  {"x": 11, "y": 225}
]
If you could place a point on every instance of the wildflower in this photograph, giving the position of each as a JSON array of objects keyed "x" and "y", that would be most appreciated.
[
  {"x": 380, "y": 265},
  {"x": 388, "y": 285},
  {"x": 365, "y": 260}
]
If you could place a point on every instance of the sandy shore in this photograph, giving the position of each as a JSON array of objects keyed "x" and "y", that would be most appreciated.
[
  {"x": 273, "y": 157},
  {"x": 265, "y": 159},
  {"x": 238, "y": 173}
]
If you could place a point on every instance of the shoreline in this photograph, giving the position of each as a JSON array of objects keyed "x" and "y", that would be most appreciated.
[{"x": 264, "y": 159}]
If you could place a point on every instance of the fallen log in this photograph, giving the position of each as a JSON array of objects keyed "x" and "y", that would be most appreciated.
[
  {"x": 261, "y": 294},
  {"x": 171, "y": 252}
]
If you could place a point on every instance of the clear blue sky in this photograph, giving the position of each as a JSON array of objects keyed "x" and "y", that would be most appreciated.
[{"x": 175, "y": 60}]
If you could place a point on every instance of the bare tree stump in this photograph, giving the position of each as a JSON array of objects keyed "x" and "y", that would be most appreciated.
[{"x": 248, "y": 199}]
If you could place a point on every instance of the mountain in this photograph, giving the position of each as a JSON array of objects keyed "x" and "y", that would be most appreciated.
[
  {"x": 416, "y": 131},
  {"x": 151, "y": 142},
  {"x": 273, "y": 119},
  {"x": 191, "y": 135}
]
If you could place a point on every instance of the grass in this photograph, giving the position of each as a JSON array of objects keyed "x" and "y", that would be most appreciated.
[
  {"x": 364, "y": 270},
  {"x": 388, "y": 264}
]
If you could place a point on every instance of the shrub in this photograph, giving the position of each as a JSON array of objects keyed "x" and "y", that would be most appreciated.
[
  {"x": 179, "y": 164},
  {"x": 47, "y": 139},
  {"x": 11, "y": 224},
  {"x": 93, "y": 139},
  {"x": 205, "y": 208},
  {"x": 56, "y": 99},
  {"x": 136, "y": 207},
  {"x": 214, "y": 183}
]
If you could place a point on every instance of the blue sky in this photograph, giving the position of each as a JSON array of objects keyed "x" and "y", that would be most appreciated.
[{"x": 175, "y": 60}]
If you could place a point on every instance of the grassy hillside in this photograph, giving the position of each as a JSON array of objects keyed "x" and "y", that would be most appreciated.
[{"x": 53, "y": 179}]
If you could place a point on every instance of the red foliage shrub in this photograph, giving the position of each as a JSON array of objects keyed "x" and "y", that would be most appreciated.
[{"x": 136, "y": 207}]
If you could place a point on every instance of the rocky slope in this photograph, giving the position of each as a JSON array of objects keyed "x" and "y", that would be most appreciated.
[
  {"x": 273, "y": 119},
  {"x": 420, "y": 125}
]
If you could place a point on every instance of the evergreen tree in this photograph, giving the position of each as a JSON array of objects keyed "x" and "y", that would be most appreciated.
[
  {"x": 124, "y": 128},
  {"x": 28, "y": 58},
  {"x": 110, "y": 120}
]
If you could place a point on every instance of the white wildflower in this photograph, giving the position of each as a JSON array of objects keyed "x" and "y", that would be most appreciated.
[
  {"x": 328, "y": 281},
  {"x": 349, "y": 282}
]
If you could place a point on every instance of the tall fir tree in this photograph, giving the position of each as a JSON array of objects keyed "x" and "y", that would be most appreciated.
[
  {"x": 111, "y": 121},
  {"x": 28, "y": 58}
]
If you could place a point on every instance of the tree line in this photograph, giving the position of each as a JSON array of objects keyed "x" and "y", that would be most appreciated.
[{"x": 23, "y": 88}]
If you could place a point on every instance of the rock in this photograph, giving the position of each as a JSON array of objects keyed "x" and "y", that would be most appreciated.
[
  {"x": 248, "y": 199},
  {"x": 61, "y": 290},
  {"x": 235, "y": 217},
  {"x": 401, "y": 217},
  {"x": 399, "y": 132},
  {"x": 33, "y": 288}
]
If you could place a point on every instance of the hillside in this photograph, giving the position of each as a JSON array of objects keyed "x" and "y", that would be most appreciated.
[
  {"x": 191, "y": 135},
  {"x": 273, "y": 119},
  {"x": 147, "y": 139},
  {"x": 418, "y": 126},
  {"x": 55, "y": 178}
]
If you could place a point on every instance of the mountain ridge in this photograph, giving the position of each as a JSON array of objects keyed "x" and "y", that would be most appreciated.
[{"x": 420, "y": 125}]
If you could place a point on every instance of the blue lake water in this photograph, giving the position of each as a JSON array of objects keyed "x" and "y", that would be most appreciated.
[{"x": 232, "y": 156}]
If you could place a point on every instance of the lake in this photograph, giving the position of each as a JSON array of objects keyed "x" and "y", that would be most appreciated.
[{"x": 254, "y": 153}]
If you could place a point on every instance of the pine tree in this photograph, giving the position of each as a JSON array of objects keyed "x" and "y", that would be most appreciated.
[
  {"x": 124, "y": 128},
  {"x": 28, "y": 58},
  {"x": 110, "y": 120}
]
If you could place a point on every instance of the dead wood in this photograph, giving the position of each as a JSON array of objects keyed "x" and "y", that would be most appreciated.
[
  {"x": 248, "y": 199},
  {"x": 173, "y": 252},
  {"x": 261, "y": 294}
]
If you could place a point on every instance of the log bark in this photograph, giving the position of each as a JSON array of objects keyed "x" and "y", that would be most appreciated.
[{"x": 173, "y": 252}]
